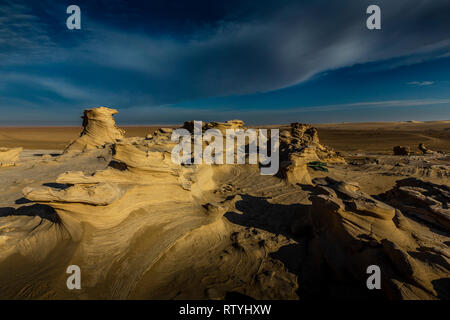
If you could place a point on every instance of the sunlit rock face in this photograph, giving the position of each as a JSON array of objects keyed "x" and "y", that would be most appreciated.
[
  {"x": 300, "y": 145},
  {"x": 9, "y": 156},
  {"x": 141, "y": 226},
  {"x": 99, "y": 129},
  {"x": 300, "y": 136}
]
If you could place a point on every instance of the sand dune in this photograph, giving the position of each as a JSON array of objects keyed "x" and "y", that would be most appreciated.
[{"x": 142, "y": 227}]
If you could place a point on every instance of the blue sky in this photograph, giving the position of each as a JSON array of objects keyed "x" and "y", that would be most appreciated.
[{"x": 260, "y": 61}]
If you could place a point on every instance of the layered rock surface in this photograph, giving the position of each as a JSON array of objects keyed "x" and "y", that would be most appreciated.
[
  {"x": 402, "y": 151},
  {"x": 425, "y": 200},
  {"x": 222, "y": 126},
  {"x": 9, "y": 156},
  {"x": 300, "y": 145},
  {"x": 352, "y": 231},
  {"x": 142, "y": 227},
  {"x": 99, "y": 128},
  {"x": 300, "y": 136},
  {"x": 120, "y": 222}
]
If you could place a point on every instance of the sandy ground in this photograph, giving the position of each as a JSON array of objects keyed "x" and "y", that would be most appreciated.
[
  {"x": 377, "y": 137},
  {"x": 232, "y": 235},
  {"x": 381, "y": 137},
  {"x": 51, "y": 137}
]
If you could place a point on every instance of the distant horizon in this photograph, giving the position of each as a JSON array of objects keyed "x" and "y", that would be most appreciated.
[{"x": 73, "y": 125}]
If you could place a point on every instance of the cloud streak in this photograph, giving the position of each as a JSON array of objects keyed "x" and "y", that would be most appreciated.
[
  {"x": 421, "y": 83},
  {"x": 339, "y": 112}
]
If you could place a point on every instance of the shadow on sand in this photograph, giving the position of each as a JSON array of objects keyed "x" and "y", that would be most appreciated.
[{"x": 36, "y": 210}]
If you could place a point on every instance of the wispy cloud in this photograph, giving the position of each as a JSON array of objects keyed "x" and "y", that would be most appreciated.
[
  {"x": 420, "y": 83},
  {"x": 373, "y": 104},
  {"x": 394, "y": 109},
  {"x": 24, "y": 37},
  {"x": 287, "y": 45},
  {"x": 260, "y": 54}
]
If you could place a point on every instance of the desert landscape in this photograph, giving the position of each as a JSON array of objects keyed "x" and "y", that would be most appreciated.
[{"x": 111, "y": 201}]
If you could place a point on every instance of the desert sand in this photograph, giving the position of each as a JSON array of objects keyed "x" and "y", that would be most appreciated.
[
  {"x": 139, "y": 226},
  {"x": 378, "y": 137}
]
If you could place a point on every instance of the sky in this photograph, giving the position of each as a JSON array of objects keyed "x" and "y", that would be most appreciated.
[{"x": 265, "y": 62}]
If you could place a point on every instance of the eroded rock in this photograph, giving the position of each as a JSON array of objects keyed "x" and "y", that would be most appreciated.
[
  {"x": 9, "y": 156},
  {"x": 295, "y": 169},
  {"x": 425, "y": 200},
  {"x": 97, "y": 194},
  {"x": 402, "y": 151},
  {"x": 424, "y": 149},
  {"x": 352, "y": 231},
  {"x": 300, "y": 136},
  {"x": 99, "y": 129}
]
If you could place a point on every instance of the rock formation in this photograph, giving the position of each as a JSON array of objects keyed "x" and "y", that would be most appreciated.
[
  {"x": 424, "y": 149},
  {"x": 352, "y": 231},
  {"x": 140, "y": 181},
  {"x": 424, "y": 200},
  {"x": 402, "y": 151},
  {"x": 9, "y": 156},
  {"x": 99, "y": 129},
  {"x": 300, "y": 136},
  {"x": 295, "y": 169},
  {"x": 100, "y": 194},
  {"x": 141, "y": 226},
  {"x": 222, "y": 126},
  {"x": 299, "y": 145}
]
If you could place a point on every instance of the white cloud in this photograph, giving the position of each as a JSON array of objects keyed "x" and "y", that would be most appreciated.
[
  {"x": 257, "y": 55},
  {"x": 158, "y": 113},
  {"x": 421, "y": 83}
]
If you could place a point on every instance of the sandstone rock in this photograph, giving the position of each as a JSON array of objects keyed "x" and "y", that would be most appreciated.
[
  {"x": 141, "y": 191},
  {"x": 189, "y": 126},
  {"x": 425, "y": 200},
  {"x": 98, "y": 194},
  {"x": 136, "y": 222},
  {"x": 402, "y": 151},
  {"x": 166, "y": 130},
  {"x": 222, "y": 126},
  {"x": 9, "y": 156},
  {"x": 299, "y": 136},
  {"x": 299, "y": 145},
  {"x": 423, "y": 148},
  {"x": 99, "y": 129},
  {"x": 352, "y": 198},
  {"x": 295, "y": 170},
  {"x": 352, "y": 230}
]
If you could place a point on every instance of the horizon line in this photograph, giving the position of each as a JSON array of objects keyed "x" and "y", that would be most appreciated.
[{"x": 137, "y": 125}]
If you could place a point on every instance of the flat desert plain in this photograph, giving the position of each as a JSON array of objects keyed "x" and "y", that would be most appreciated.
[
  {"x": 372, "y": 137},
  {"x": 111, "y": 201}
]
